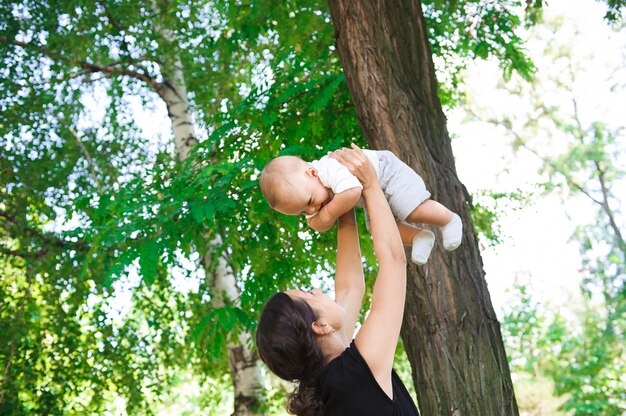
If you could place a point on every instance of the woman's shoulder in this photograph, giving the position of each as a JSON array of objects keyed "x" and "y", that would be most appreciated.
[
  {"x": 348, "y": 372},
  {"x": 349, "y": 387},
  {"x": 350, "y": 358}
]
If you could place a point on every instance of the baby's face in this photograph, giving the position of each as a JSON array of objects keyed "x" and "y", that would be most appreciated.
[{"x": 308, "y": 197}]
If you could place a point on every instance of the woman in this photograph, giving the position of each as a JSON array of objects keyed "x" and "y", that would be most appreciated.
[{"x": 305, "y": 336}]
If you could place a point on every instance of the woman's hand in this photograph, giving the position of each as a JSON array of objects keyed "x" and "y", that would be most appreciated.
[{"x": 357, "y": 163}]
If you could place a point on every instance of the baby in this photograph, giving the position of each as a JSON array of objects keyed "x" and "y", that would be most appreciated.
[{"x": 325, "y": 189}]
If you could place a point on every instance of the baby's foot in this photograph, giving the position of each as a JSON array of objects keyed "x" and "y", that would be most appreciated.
[
  {"x": 422, "y": 245},
  {"x": 452, "y": 233}
]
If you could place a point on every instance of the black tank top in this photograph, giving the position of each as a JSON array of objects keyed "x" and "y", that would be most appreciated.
[{"x": 349, "y": 388}]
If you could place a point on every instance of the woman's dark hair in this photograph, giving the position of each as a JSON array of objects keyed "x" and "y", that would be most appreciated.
[{"x": 289, "y": 347}]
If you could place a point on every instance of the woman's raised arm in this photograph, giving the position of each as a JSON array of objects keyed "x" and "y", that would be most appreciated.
[
  {"x": 378, "y": 337},
  {"x": 349, "y": 279}
]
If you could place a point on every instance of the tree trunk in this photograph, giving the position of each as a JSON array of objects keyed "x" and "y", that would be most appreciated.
[
  {"x": 244, "y": 363},
  {"x": 450, "y": 331}
]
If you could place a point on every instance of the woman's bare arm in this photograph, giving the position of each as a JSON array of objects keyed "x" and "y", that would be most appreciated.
[
  {"x": 349, "y": 280},
  {"x": 378, "y": 337}
]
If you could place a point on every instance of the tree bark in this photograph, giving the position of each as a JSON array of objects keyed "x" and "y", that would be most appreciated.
[
  {"x": 244, "y": 363},
  {"x": 450, "y": 330}
]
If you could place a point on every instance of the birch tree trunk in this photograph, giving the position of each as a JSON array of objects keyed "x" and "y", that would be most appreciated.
[
  {"x": 244, "y": 363},
  {"x": 450, "y": 331}
]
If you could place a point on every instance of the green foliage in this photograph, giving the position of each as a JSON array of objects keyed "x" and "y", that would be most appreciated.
[
  {"x": 462, "y": 31},
  {"x": 586, "y": 365},
  {"x": 536, "y": 395},
  {"x": 72, "y": 356},
  {"x": 132, "y": 208},
  {"x": 615, "y": 11},
  {"x": 582, "y": 351},
  {"x": 190, "y": 395},
  {"x": 531, "y": 334},
  {"x": 487, "y": 207},
  {"x": 402, "y": 367}
]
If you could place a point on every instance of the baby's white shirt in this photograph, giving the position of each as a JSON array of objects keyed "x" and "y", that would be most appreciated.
[{"x": 337, "y": 177}]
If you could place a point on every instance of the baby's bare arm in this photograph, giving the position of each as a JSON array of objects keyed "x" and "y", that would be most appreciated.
[{"x": 339, "y": 205}]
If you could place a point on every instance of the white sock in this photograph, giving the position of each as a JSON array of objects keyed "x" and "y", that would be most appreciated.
[
  {"x": 452, "y": 233},
  {"x": 422, "y": 245}
]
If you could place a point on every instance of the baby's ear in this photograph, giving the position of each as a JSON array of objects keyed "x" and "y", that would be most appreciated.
[{"x": 311, "y": 171}]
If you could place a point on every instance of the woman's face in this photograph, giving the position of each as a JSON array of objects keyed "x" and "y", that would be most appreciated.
[{"x": 329, "y": 311}]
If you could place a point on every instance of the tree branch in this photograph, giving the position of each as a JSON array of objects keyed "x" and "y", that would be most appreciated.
[
  {"x": 51, "y": 241},
  {"x": 605, "y": 192},
  {"x": 112, "y": 69},
  {"x": 87, "y": 156},
  {"x": 567, "y": 177},
  {"x": 121, "y": 31},
  {"x": 607, "y": 209},
  {"x": 24, "y": 254},
  {"x": 545, "y": 160},
  {"x": 85, "y": 152},
  {"x": 580, "y": 136}
]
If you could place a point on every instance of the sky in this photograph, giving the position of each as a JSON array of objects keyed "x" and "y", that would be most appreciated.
[{"x": 538, "y": 248}]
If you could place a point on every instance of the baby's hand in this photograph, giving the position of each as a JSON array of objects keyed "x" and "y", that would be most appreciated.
[
  {"x": 318, "y": 224},
  {"x": 328, "y": 213},
  {"x": 357, "y": 163}
]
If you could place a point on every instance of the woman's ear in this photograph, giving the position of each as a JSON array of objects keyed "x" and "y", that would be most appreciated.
[{"x": 321, "y": 328}]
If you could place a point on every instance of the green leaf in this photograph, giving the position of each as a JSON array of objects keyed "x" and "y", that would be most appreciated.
[
  {"x": 209, "y": 211},
  {"x": 197, "y": 211},
  {"x": 148, "y": 260}
]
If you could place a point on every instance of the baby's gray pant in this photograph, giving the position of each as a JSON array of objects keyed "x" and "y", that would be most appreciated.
[{"x": 403, "y": 187}]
